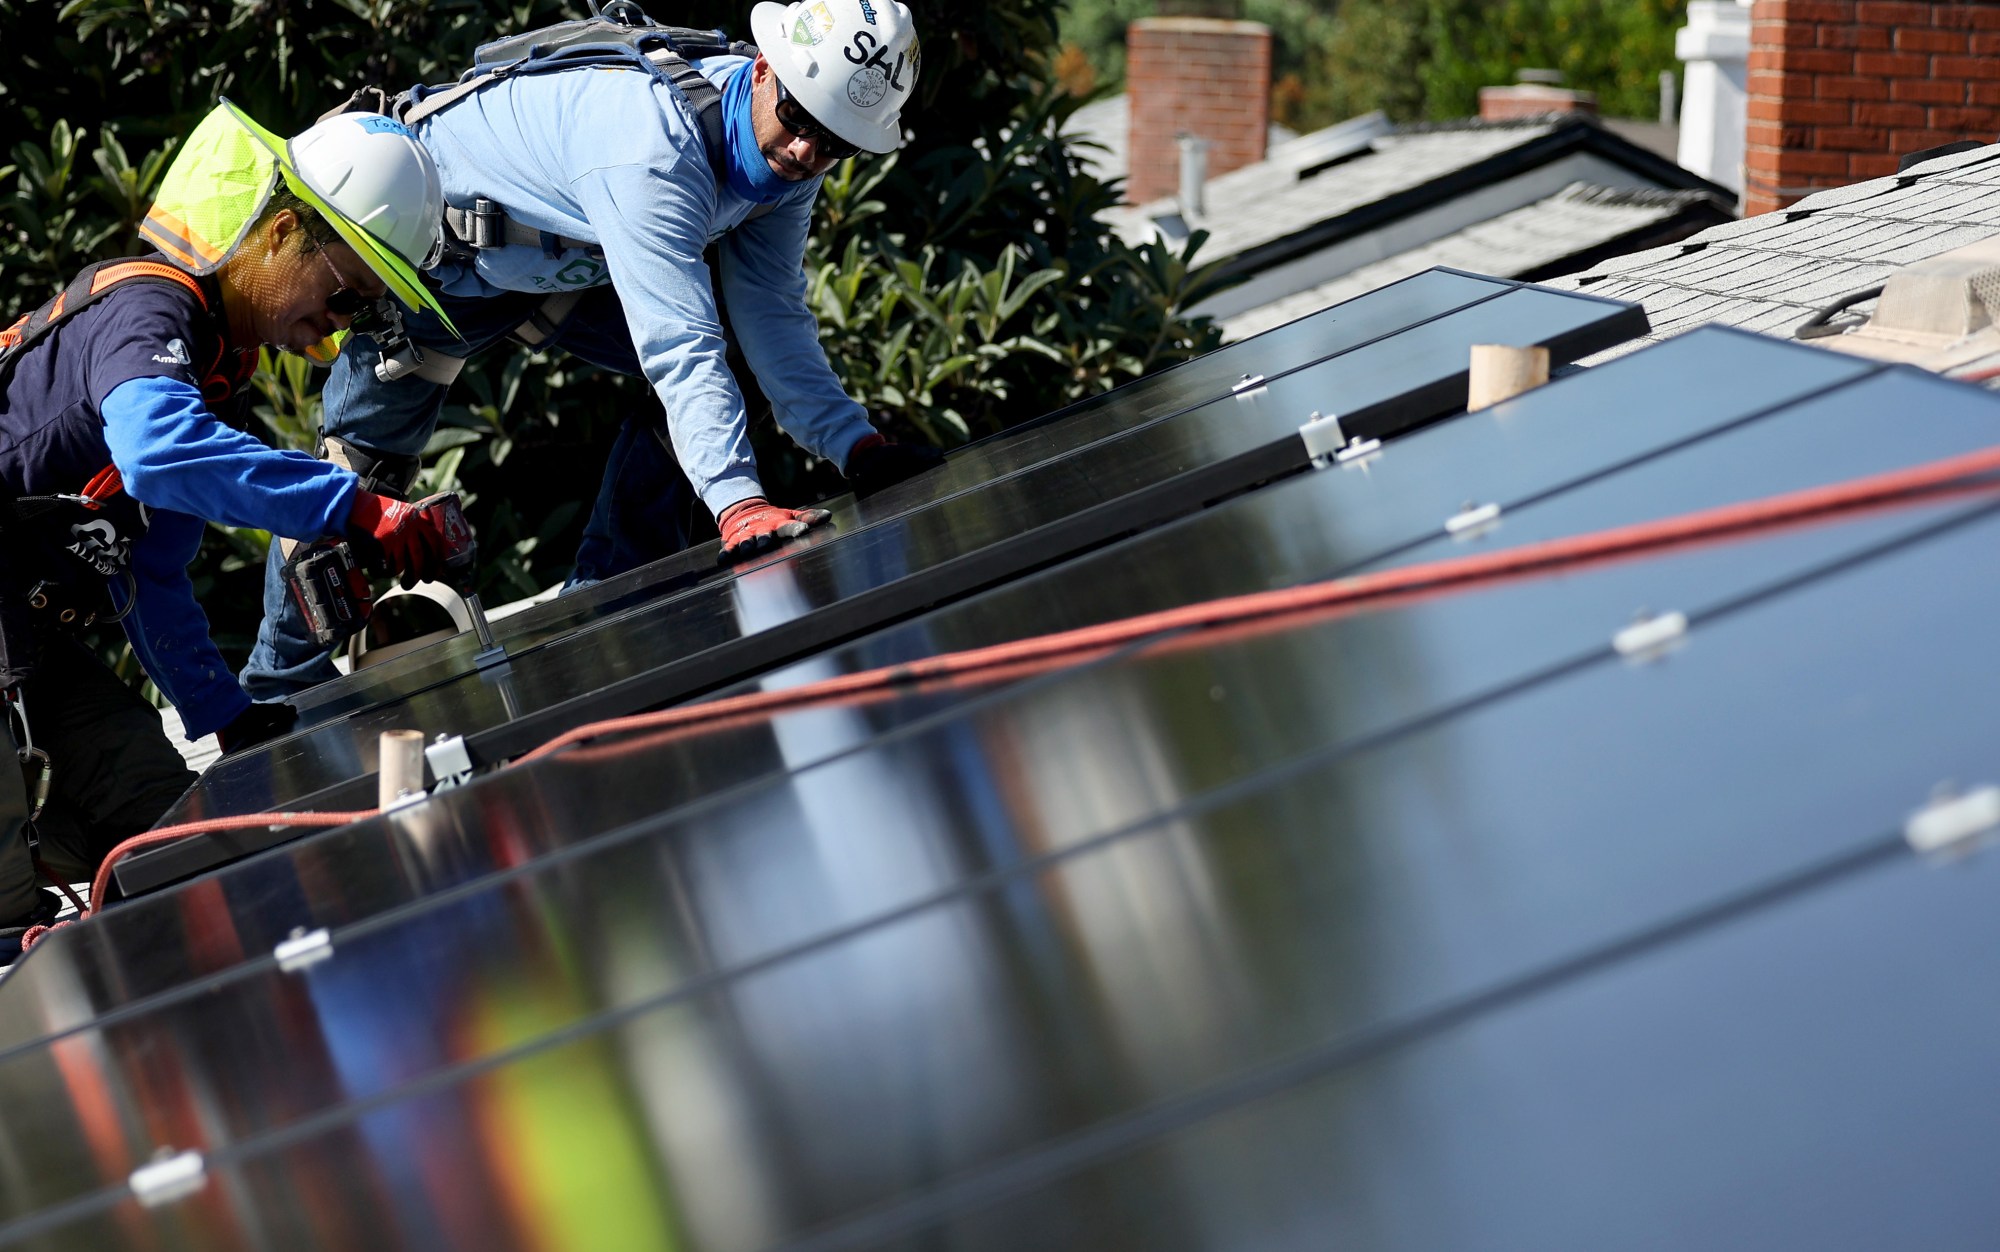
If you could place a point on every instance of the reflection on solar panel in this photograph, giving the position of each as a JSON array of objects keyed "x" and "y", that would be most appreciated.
[{"x": 1444, "y": 922}]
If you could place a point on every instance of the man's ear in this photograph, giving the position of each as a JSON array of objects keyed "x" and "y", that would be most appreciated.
[
  {"x": 760, "y": 71},
  {"x": 280, "y": 228}
]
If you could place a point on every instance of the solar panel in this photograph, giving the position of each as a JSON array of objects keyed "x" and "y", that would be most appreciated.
[
  {"x": 846, "y": 584},
  {"x": 1273, "y": 928},
  {"x": 1190, "y": 384},
  {"x": 1149, "y": 951},
  {"x": 1514, "y": 455}
]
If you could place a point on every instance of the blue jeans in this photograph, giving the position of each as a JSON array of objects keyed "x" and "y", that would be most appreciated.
[{"x": 642, "y": 506}]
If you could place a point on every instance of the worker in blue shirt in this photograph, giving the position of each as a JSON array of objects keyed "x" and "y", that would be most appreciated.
[
  {"x": 122, "y": 404},
  {"x": 580, "y": 205}
]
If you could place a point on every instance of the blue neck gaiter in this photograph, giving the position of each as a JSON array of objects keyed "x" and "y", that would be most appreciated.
[{"x": 750, "y": 175}]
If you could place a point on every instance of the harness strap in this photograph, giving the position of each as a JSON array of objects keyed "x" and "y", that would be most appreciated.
[{"x": 486, "y": 224}]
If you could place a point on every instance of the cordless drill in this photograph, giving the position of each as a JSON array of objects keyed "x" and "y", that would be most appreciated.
[{"x": 334, "y": 593}]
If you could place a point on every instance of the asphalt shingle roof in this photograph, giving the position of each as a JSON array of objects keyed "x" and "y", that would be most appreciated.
[
  {"x": 1575, "y": 220},
  {"x": 1269, "y": 201},
  {"x": 1771, "y": 272}
]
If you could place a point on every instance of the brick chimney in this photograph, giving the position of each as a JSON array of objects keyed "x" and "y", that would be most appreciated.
[
  {"x": 1841, "y": 90},
  {"x": 1500, "y": 104},
  {"x": 1197, "y": 76}
]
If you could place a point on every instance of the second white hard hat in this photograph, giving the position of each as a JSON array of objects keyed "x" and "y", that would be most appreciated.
[{"x": 852, "y": 64}]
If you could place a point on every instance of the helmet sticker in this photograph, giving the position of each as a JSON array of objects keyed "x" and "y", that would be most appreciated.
[
  {"x": 868, "y": 11},
  {"x": 377, "y": 124},
  {"x": 867, "y": 86},
  {"x": 814, "y": 24},
  {"x": 870, "y": 53}
]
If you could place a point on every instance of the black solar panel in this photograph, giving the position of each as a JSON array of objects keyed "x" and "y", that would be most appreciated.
[
  {"x": 1444, "y": 924},
  {"x": 1188, "y": 385},
  {"x": 1334, "y": 522},
  {"x": 850, "y": 582}
]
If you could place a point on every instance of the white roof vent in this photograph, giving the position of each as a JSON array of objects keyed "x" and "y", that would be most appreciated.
[{"x": 1939, "y": 313}]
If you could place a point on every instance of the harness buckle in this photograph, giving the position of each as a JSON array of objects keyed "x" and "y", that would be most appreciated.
[{"x": 489, "y": 224}]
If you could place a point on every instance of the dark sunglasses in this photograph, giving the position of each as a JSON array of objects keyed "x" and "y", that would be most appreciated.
[
  {"x": 793, "y": 117},
  {"x": 345, "y": 301}
]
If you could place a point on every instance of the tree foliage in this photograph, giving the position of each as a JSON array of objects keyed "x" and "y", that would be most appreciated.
[
  {"x": 963, "y": 284},
  {"x": 1423, "y": 59}
]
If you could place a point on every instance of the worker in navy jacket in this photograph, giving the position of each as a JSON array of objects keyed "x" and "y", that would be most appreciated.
[{"x": 122, "y": 406}]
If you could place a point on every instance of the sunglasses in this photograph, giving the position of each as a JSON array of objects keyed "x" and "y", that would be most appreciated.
[
  {"x": 345, "y": 301},
  {"x": 793, "y": 117}
]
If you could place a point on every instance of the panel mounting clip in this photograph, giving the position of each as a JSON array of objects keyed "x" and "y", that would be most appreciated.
[
  {"x": 1951, "y": 823},
  {"x": 168, "y": 1177},
  {"x": 1357, "y": 452},
  {"x": 1323, "y": 439},
  {"x": 450, "y": 763},
  {"x": 1473, "y": 519},
  {"x": 303, "y": 948},
  {"x": 1651, "y": 636},
  {"x": 1248, "y": 386}
]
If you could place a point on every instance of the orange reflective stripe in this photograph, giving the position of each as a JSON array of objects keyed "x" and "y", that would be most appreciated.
[
  {"x": 178, "y": 240},
  {"x": 144, "y": 269},
  {"x": 55, "y": 310}
]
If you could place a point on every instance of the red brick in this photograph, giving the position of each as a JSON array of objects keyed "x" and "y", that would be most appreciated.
[
  {"x": 1892, "y": 64},
  {"x": 1859, "y": 38},
  {"x": 1872, "y": 165},
  {"x": 1921, "y": 92},
  {"x": 1790, "y": 164},
  {"x": 1772, "y": 135},
  {"x": 1833, "y": 87},
  {"x": 1784, "y": 35},
  {"x": 1985, "y": 45},
  {"x": 1892, "y": 13},
  {"x": 1853, "y": 139},
  {"x": 1802, "y": 11},
  {"x": 1917, "y": 140},
  {"x": 1965, "y": 67},
  {"x": 1985, "y": 93},
  {"x": 1804, "y": 112},
  {"x": 1910, "y": 39},
  {"x": 1828, "y": 61},
  {"x": 1891, "y": 115},
  {"x": 1968, "y": 121},
  {"x": 1788, "y": 86},
  {"x": 1969, "y": 16}
]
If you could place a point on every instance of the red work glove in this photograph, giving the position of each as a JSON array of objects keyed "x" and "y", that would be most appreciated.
[
  {"x": 756, "y": 525},
  {"x": 876, "y": 463},
  {"x": 409, "y": 542}
]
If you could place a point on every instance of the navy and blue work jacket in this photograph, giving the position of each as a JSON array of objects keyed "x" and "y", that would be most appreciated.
[{"x": 144, "y": 382}]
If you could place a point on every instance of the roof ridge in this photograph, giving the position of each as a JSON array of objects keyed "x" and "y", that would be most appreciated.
[
  {"x": 1529, "y": 122},
  {"x": 1599, "y": 194}
]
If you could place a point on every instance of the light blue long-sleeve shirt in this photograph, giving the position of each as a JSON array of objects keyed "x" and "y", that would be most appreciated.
[{"x": 614, "y": 157}]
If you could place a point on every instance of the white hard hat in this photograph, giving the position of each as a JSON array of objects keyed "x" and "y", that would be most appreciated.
[
  {"x": 852, "y": 64},
  {"x": 383, "y": 190}
]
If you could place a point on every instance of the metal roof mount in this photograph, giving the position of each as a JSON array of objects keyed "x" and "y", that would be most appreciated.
[{"x": 1938, "y": 313}]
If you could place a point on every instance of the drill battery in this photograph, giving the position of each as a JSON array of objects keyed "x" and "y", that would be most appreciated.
[{"x": 331, "y": 590}]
